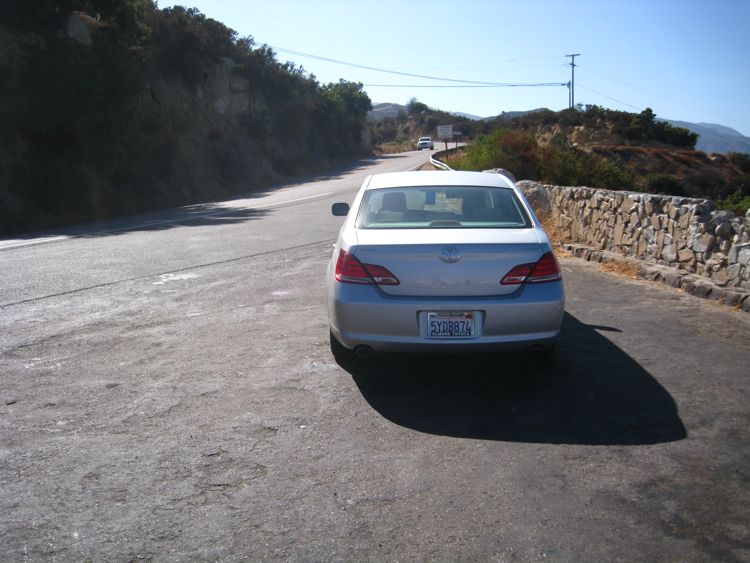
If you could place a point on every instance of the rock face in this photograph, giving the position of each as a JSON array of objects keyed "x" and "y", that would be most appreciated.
[
  {"x": 687, "y": 234},
  {"x": 121, "y": 124}
]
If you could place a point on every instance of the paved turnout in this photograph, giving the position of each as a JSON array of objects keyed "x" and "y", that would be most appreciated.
[{"x": 167, "y": 392}]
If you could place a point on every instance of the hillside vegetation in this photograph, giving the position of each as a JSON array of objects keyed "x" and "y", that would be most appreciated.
[
  {"x": 611, "y": 150},
  {"x": 400, "y": 132},
  {"x": 599, "y": 147},
  {"x": 110, "y": 107}
]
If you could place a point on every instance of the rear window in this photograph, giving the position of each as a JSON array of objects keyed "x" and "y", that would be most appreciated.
[{"x": 435, "y": 207}]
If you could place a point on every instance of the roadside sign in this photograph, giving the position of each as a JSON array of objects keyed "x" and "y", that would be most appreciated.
[{"x": 445, "y": 131}]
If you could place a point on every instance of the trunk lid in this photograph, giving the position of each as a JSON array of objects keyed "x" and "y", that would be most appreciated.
[{"x": 448, "y": 262}]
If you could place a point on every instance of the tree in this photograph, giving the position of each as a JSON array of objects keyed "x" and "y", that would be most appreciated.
[
  {"x": 351, "y": 98},
  {"x": 415, "y": 108}
]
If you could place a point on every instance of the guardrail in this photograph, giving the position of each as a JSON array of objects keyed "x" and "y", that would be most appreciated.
[{"x": 439, "y": 163}]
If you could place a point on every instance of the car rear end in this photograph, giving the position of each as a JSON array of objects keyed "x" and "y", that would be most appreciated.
[{"x": 443, "y": 268}]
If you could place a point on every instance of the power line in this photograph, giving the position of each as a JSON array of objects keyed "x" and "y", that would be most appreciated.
[
  {"x": 376, "y": 69},
  {"x": 586, "y": 69},
  {"x": 662, "y": 95},
  {"x": 609, "y": 97},
  {"x": 520, "y": 85},
  {"x": 483, "y": 68}
]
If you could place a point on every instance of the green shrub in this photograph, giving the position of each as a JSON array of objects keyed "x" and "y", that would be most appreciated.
[
  {"x": 556, "y": 163},
  {"x": 664, "y": 184},
  {"x": 608, "y": 174},
  {"x": 737, "y": 202},
  {"x": 741, "y": 160},
  {"x": 561, "y": 165},
  {"x": 507, "y": 149}
]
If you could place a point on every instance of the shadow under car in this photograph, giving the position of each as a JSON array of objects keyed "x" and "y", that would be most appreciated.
[{"x": 589, "y": 392}]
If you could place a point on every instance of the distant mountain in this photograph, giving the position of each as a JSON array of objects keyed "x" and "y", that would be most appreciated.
[
  {"x": 715, "y": 138},
  {"x": 466, "y": 115}
]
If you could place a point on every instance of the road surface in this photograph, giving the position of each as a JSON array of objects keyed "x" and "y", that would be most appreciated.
[{"x": 167, "y": 392}]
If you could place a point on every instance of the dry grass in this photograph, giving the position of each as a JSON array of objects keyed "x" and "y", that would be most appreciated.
[
  {"x": 557, "y": 236},
  {"x": 392, "y": 148},
  {"x": 622, "y": 268}
]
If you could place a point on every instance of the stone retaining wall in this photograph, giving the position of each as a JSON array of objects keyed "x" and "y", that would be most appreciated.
[{"x": 686, "y": 234}]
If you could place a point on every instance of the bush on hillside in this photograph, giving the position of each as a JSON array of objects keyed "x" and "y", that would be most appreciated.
[
  {"x": 634, "y": 128},
  {"x": 643, "y": 128},
  {"x": 555, "y": 163},
  {"x": 665, "y": 184}
]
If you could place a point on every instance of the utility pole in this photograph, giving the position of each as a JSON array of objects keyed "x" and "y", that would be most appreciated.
[{"x": 573, "y": 78}]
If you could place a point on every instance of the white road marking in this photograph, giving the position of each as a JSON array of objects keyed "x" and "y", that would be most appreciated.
[
  {"x": 34, "y": 241},
  {"x": 164, "y": 222},
  {"x": 293, "y": 200},
  {"x": 165, "y": 278}
]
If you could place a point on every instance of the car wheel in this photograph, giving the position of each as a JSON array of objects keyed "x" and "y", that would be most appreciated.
[{"x": 339, "y": 351}]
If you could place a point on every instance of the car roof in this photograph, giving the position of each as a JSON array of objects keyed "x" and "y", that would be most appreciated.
[{"x": 437, "y": 178}]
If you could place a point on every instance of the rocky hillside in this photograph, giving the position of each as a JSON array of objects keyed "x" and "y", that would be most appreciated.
[
  {"x": 599, "y": 126},
  {"x": 125, "y": 107},
  {"x": 401, "y": 126},
  {"x": 610, "y": 150}
]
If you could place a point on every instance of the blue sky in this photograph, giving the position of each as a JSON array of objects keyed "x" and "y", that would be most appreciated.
[{"x": 686, "y": 59}]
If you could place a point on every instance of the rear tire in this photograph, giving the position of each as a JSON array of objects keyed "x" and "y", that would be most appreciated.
[{"x": 339, "y": 351}]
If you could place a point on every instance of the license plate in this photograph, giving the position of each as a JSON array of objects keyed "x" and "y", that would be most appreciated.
[{"x": 450, "y": 324}]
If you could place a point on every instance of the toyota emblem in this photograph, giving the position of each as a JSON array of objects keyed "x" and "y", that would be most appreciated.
[{"x": 450, "y": 255}]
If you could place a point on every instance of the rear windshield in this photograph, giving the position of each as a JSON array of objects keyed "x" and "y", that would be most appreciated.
[{"x": 430, "y": 207}]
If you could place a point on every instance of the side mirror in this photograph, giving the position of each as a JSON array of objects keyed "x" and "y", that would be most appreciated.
[{"x": 340, "y": 209}]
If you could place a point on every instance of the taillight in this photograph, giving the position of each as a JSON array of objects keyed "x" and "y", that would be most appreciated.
[
  {"x": 517, "y": 274},
  {"x": 545, "y": 270},
  {"x": 381, "y": 275},
  {"x": 350, "y": 270}
]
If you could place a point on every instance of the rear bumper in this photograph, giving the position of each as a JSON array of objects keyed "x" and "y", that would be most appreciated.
[{"x": 362, "y": 315}]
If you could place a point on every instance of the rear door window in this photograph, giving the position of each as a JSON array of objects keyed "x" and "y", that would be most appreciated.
[{"x": 452, "y": 207}]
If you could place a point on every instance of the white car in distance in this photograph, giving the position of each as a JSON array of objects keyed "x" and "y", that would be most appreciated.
[{"x": 425, "y": 143}]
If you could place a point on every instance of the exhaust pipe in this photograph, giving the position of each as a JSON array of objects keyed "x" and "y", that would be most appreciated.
[
  {"x": 363, "y": 352},
  {"x": 540, "y": 352}
]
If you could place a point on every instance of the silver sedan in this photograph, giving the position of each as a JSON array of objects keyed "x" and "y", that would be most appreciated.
[{"x": 441, "y": 262}]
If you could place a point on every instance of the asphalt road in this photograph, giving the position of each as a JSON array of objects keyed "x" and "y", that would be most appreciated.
[{"x": 167, "y": 392}]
